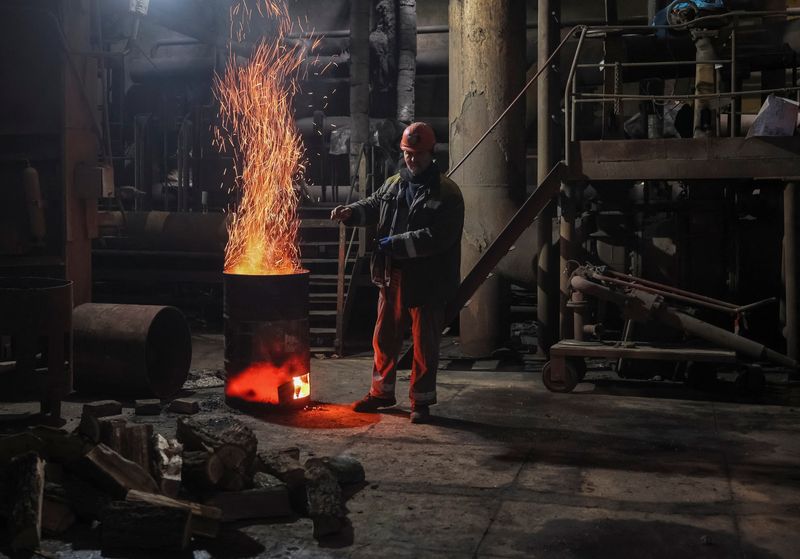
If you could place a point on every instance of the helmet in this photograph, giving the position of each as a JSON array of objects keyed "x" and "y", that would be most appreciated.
[{"x": 418, "y": 137}]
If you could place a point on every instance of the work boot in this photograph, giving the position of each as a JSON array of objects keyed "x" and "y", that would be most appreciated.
[
  {"x": 371, "y": 404},
  {"x": 420, "y": 413}
]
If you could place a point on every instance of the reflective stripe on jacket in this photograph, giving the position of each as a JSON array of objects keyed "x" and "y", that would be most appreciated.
[{"x": 430, "y": 250}]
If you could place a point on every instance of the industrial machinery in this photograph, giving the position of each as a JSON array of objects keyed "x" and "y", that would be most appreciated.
[{"x": 643, "y": 301}]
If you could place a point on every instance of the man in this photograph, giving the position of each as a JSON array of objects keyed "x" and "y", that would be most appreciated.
[{"x": 419, "y": 215}]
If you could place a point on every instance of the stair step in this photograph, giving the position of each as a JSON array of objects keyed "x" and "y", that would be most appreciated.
[
  {"x": 318, "y": 223},
  {"x": 314, "y": 330},
  {"x": 322, "y": 349},
  {"x": 331, "y": 296},
  {"x": 321, "y": 313}
]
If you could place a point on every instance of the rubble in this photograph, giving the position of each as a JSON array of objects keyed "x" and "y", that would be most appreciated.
[{"x": 102, "y": 408}]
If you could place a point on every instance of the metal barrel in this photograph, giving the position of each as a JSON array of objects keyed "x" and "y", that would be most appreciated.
[
  {"x": 266, "y": 338},
  {"x": 131, "y": 350},
  {"x": 33, "y": 310}
]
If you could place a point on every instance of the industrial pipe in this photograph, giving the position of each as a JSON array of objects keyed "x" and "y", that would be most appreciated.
[
  {"x": 638, "y": 310},
  {"x": 130, "y": 350}
]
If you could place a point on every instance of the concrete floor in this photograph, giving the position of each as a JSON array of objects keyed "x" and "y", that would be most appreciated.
[{"x": 508, "y": 469}]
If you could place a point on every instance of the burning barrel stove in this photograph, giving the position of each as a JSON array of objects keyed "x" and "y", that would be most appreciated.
[{"x": 267, "y": 354}]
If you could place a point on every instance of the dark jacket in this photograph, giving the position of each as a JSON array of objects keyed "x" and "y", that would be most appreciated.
[{"x": 429, "y": 252}]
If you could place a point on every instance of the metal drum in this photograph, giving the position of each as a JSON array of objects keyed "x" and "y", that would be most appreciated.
[
  {"x": 131, "y": 350},
  {"x": 267, "y": 354}
]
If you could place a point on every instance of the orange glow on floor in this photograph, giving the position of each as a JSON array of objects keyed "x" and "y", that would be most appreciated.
[{"x": 260, "y": 381}]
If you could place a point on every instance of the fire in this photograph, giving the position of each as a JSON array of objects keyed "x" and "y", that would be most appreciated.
[
  {"x": 257, "y": 126},
  {"x": 260, "y": 382},
  {"x": 302, "y": 387}
]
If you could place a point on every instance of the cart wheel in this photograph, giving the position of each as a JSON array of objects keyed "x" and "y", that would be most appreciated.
[
  {"x": 579, "y": 365},
  {"x": 570, "y": 381}
]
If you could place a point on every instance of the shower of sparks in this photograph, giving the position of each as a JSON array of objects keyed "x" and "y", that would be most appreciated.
[{"x": 257, "y": 125}]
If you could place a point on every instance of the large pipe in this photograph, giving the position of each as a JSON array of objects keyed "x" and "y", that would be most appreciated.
[
  {"x": 487, "y": 69},
  {"x": 546, "y": 156},
  {"x": 406, "y": 67},
  {"x": 359, "y": 80},
  {"x": 790, "y": 268},
  {"x": 131, "y": 351},
  {"x": 638, "y": 310}
]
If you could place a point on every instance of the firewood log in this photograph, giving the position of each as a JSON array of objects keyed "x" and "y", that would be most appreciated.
[
  {"x": 202, "y": 469},
  {"x": 26, "y": 481},
  {"x": 130, "y": 525},
  {"x": 325, "y": 505},
  {"x": 205, "y": 519}
]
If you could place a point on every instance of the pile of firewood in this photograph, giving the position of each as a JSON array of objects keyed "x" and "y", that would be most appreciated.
[{"x": 150, "y": 492}]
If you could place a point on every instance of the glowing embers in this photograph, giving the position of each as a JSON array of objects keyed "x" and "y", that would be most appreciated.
[{"x": 270, "y": 384}]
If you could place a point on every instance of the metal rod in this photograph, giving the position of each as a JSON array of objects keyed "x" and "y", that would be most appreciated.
[
  {"x": 611, "y": 97},
  {"x": 664, "y": 293},
  {"x": 670, "y": 288},
  {"x": 734, "y": 129},
  {"x": 648, "y": 64},
  {"x": 567, "y": 91},
  {"x": 517, "y": 98}
]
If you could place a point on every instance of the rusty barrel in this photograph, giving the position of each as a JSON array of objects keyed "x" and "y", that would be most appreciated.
[
  {"x": 37, "y": 314},
  {"x": 267, "y": 349},
  {"x": 131, "y": 350}
]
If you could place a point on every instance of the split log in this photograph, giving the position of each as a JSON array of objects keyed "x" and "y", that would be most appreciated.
[
  {"x": 118, "y": 474},
  {"x": 89, "y": 428},
  {"x": 167, "y": 464},
  {"x": 130, "y": 525},
  {"x": 26, "y": 481},
  {"x": 346, "y": 469},
  {"x": 102, "y": 408},
  {"x": 231, "y": 440},
  {"x": 15, "y": 445},
  {"x": 147, "y": 407},
  {"x": 325, "y": 505},
  {"x": 252, "y": 503},
  {"x": 112, "y": 431},
  {"x": 136, "y": 440},
  {"x": 263, "y": 480},
  {"x": 205, "y": 519},
  {"x": 85, "y": 500},
  {"x": 59, "y": 445},
  {"x": 284, "y": 465},
  {"x": 202, "y": 469},
  {"x": 57, "y": 516},
  {"x": 210, "y": 433},
  {"x": 185, "y": 406}
]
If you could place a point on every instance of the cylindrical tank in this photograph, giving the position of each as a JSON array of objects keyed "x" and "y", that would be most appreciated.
[
  {"x": 267, "y": 354},
  {"x": 131, "y": 350}
]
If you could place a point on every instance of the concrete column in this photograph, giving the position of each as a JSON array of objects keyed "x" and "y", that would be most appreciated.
[
  {"x": 790, "y": 268},
  {"x": 407, "y": 63},
  {"x": 546, "y": 155},
  {"x": 359, "y": 79},
  {"x": 487, "y": 70}
]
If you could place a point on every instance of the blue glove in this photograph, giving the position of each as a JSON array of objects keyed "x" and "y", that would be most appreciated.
[{"x": 385, "y": 244}]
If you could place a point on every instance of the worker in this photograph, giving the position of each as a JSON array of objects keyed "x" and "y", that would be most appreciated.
[{"x": 419, "y": 215}]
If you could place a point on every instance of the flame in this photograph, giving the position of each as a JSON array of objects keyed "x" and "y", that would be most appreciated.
[
  {"x": 260, "y": 381},
  {"x": 257, "y": 126},
  {"x": 302, "y": 387}
]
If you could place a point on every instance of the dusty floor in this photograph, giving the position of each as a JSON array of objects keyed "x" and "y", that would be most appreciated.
[{"x": 507, "y": 469}]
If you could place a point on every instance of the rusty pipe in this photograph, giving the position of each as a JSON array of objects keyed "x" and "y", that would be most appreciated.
[{"x": 669, "y": 317}]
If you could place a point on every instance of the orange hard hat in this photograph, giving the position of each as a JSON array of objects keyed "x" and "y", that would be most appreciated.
[{"x": 418, "y": 137}]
